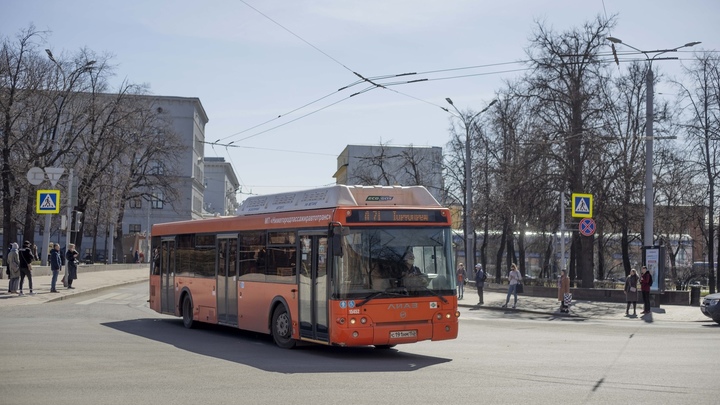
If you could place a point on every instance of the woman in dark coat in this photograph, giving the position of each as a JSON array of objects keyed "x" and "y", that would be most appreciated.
[
  {"x": 71, "y": 262},
  {"x": 646, "y": 282},
  {"x": 631, "y": 295}
]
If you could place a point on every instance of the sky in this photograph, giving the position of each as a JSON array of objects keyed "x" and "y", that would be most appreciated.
[{"x": 277, "y": 78}]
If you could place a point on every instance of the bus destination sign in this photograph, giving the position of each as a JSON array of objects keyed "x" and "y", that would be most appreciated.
[{"x": 396, "y": 216}]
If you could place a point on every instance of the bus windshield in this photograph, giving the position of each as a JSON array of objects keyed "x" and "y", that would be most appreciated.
[{"x": 397, "y": 261}]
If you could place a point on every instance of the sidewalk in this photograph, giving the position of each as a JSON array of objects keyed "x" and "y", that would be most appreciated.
[
  {"x": 85, "y": 283},
  {"x": 494, "y": 299},
  {"x": 579, "y": 309}
]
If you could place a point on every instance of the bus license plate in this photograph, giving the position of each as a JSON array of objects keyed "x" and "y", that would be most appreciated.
[{"x": 403, "y": 334}]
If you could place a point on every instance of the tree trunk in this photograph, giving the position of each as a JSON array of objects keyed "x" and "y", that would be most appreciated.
[{"x": 500, "y": 253}]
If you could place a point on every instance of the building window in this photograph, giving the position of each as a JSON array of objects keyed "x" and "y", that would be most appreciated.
[
  {"x": 156, "y": 168},
  {"x": 136, "y": 202},
  {"x": 134, "y": 228},
  {"x": 157, "y": 200}
]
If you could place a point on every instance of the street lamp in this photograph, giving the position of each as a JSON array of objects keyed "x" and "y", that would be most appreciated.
[
  {"x": 649, "y": 238},
  {"x": 469, "y": 230}
]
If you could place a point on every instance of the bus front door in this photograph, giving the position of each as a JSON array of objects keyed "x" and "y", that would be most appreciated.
[
  {"x": 313, "y": 287},
  {"x": 167, "y": 276},
  {"x": 227, "y": 294}
]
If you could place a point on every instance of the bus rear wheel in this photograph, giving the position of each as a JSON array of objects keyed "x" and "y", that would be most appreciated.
[
  {"x": 187, "y": 310},
  {"x": 281, "y": 328}
]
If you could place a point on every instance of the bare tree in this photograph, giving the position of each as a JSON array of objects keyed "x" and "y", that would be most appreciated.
[
  {"x": 567, "y": 82},
  {"x": 703, "y": 129},
  {"x": 19, "y": 79}
]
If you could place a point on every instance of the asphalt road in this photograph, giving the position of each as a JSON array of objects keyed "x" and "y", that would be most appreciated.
[{"x": 109, "y": 348}]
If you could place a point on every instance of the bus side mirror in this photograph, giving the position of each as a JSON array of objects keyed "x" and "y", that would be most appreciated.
[{"x": 337, "y": 245}]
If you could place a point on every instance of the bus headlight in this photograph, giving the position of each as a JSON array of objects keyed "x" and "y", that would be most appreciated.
[{"x": 341, "y": 321}]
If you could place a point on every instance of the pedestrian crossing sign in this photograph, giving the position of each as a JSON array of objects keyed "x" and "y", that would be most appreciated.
[
  {"x": 48, "y": 202},
  {"x": 582, "y": 205}
]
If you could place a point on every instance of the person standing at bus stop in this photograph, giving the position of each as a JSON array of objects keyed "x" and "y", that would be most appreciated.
[
  {"x": 71, "y": 262},
  {"x": 514, "y": 278},
  {"x": 631, "y": 292},
  {"x": 563, "y": 290},
  {"x": 13, "y": 262},
  {"x": 55, "y": 266},
  {"x": 27, "y": 256},
  {"x": 461, "y": 277},
  {"x": 480, "y": 278},
  {"x": 645, "y": 283}
]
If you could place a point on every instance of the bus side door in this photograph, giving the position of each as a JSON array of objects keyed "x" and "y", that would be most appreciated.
[
  {"x": 226, "y": 273},
  {"x": 167, "y": 276},
  {"x": 313, "y": 286}
]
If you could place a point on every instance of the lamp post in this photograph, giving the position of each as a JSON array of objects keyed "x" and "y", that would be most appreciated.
[
  {"x": 469, "y": 230},
  {"x": 648, "y": 239}
]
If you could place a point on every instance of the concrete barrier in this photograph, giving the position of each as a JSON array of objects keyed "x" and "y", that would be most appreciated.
[{"x": 596, "y": 294}]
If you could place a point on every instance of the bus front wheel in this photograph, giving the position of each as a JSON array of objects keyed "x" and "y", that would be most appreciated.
[
  {"x": 187, "y": 308},
  {"x": 281, "y": 328}
]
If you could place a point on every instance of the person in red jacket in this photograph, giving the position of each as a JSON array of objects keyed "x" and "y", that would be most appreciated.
[{"x": 645, "y": 283}]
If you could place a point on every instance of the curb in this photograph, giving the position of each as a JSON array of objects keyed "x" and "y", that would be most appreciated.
[
  {"x": 83, "y": 292},
  {"x": 529, "y": 311}
]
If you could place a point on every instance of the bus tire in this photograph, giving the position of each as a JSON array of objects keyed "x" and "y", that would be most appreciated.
[
  {"x": 281, "y": 328},
  {"x": 384, "y": 347},
  {"x": 187, "y": 311}
]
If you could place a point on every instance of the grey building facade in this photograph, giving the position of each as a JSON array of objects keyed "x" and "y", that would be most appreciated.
[
  {"x": 392, "y": 166},
  {"x": 221, "y": 187}
]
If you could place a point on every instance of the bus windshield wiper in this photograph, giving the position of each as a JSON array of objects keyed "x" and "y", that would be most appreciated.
[
  {"x": 377, "y": 294},
  {"x": 437, "y": 295}
]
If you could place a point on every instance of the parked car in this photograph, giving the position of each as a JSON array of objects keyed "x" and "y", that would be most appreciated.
[{"x": 711, "y": 307}]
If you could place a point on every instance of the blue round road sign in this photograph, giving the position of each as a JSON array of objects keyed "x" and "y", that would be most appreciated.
[{"x": 587, "y": 226}]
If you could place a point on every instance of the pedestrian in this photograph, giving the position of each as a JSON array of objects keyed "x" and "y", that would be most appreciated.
[
  {"x": 27, "y": 256},
  {"x": 645, "y": 282},
  {"x": 13, "y": 262},
  {"x": 480, "y": 278},
  {"x": 63, "y": 257},
  {"x": 7, "y": 266},
  {"x": 461, "y": 277},
  {"x": 564, "y": 291},
  {"x": 514, "y": 278},
  {"x": 631, "y": 291},
  {"x": 71, "y": 262},
  {"x": 55, "y": 266}
]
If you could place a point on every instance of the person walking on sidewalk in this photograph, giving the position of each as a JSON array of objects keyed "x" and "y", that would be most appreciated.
[
  {"x": 55, "y": 266},
  {"x": 461, "y": 277},
  {"x": 514, "y": 278},
  {"x": 480, "y": 278},
  {"x": 71, "y": 262},
  {"x": 563, "y": 291},
  {"x": 645, "y": 282},
  {"x": 631, "y": 291},
  {"x": 14, "y": 268}
]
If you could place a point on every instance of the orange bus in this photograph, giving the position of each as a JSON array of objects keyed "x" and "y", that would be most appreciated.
[{"x": 341, "y": 265}]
